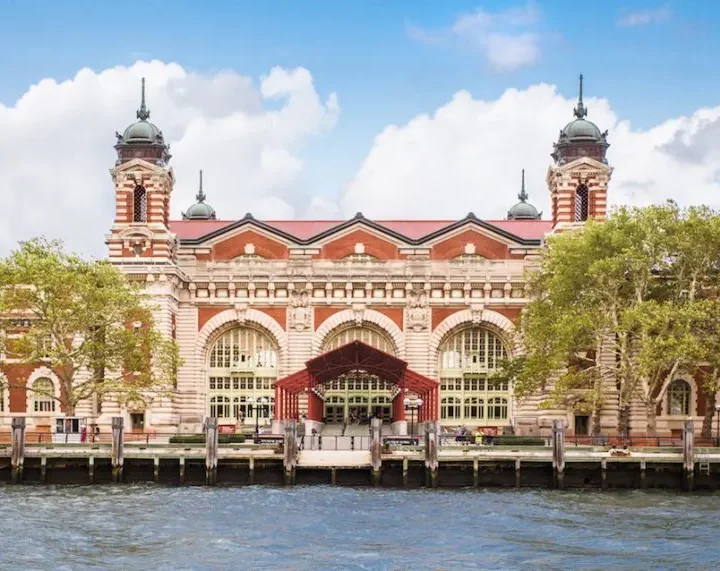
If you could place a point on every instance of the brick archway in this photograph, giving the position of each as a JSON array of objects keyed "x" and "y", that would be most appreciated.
[{"x": 351, "y": 357}]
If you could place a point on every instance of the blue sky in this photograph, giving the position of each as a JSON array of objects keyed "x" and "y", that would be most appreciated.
[{"x": 388, "y": 61}]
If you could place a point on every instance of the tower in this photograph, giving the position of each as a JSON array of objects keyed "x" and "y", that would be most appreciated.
[
  {"x": 523, "y": 210},
  {"x": 143, "y": 183},
  {"x": 579, "y": 177}
]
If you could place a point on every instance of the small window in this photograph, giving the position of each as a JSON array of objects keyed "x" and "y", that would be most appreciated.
[
  {"x": 43, "y": 391},
  {"x": 679, "y": 398},
  {"x": 139, "y": 204},
  {"x": 582, "y": 203}
]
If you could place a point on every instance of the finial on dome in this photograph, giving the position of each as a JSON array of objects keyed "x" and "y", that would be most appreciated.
[
  {"x": 143, "y": 113},
  {"x": 523, "y": 196},
  {"x": 200, "y": 196},
  {"x": 580, "y": 109}
]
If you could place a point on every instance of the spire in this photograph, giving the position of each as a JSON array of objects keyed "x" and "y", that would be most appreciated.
[
  {"x": 200, "y": 197},
  {"x": 143, "y": 113},
  {"x": 580, "y": 109},
  {"x": 523, "y": 196}
]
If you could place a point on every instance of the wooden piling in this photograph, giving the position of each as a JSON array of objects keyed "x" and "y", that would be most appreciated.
[
  {"x": 181, "y": 467},
  {"x": 156, "y": 469},
  {"x": 405, "y": 478},
  {"x": 603, "y": 474},
  {"x": 17, "y": 458},
  {"x": 689, "y": 454},
  {"x": 117, "y": 449},
  {"x": 91, "y": 469},
  {"x": 211, "y": 450},
  {"x": 251, "y": 468},
  {"x": 476, "y": 473},
  {"x": 290, "y": 451},
  {"x": 558, "y": 450},
  {"x": 43, "y": 469},
  {"x": 518, "y": 463},
  {"x": 376, "y": 449},
  {"x": 431, "y": 452}
]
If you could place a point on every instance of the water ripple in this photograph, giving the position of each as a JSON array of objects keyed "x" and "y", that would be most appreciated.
[{"x": 152, "y": 527}]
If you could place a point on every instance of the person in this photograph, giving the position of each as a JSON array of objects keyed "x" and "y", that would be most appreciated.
[
  {"x": 96, "y": 436},
  {"x": 478, "y": 436}
]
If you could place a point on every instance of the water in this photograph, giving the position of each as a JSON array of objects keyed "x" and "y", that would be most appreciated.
[{"x": 149, "y": 527}]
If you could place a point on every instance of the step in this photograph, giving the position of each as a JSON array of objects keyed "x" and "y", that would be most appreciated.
[{"x": 334, "y": 458}]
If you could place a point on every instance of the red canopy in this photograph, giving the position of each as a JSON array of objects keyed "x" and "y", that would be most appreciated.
[{"x": 351, "y": 357}]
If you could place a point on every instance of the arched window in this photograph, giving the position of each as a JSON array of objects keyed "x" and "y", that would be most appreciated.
[
  {"x": 450, "y": 408},
  {"x": 368, "y": 335},
  {"x": 679, "y": 398},
  {"x": 465, "y": 361},
  {"x": 582, "y": 203},
  {"x": 243, "y": 368},
  {"x": 43, "y": 399},
  {"x": 139, "y": 204}
]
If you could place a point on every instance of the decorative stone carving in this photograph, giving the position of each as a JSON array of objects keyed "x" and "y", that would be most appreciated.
[
  {"x": 358, "y": 314},
  {"x": 299, "y": 311},
  {"x": 241, "y": 313},
  {"x": 417, "y": 310},
  {"x": 476, "y": 312}
]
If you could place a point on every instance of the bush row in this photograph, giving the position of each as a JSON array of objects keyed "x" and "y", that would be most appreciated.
[{"x": 200, "y": 439}]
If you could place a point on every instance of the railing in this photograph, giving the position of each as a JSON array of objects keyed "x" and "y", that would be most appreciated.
[
  {"x": 333, "y": 442},
  {"x": 63, "y": 438}
]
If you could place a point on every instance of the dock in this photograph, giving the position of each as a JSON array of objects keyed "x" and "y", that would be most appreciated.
[{"x": 426, "y": 464}]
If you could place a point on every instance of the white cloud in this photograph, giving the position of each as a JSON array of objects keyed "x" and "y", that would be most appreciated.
[
  {"x": 57, "y": 145},
  {"x": 644, "y": 17},
  {"x": 507, "y": 39},
  {"x": 468, "y": 154}
]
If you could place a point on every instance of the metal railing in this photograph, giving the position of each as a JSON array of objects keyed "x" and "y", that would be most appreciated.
[{"x": 74, "y": 438}]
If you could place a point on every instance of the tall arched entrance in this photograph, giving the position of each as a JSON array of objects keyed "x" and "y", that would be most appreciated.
[
  {"x": 242, "y": 369},
  {"x": 344, "y": 364},
  {"x": 356, "y": 395}
]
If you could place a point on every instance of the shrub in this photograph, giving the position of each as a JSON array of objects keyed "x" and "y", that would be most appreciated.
[
  {"x": 519, "y": 441},
  {"x": 200, "y": 439}
]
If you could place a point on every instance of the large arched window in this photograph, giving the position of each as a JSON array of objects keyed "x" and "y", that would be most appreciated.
[
  {"x": 139, "y": 204},
  {"x": 582, "y": 203},
  {"x": 465, "y": 360},
  {"x": 362, "y": 394},
  {"x": 43, "y": 398},
  {"x": 243, "y": 368},
  {"x": 679, "y": 398}
]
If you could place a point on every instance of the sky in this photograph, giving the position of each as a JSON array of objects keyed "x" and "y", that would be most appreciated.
[{"x": 403, "y": 109}]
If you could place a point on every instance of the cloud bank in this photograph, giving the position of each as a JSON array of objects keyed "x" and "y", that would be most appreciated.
[{"x": 56, "y": 146}]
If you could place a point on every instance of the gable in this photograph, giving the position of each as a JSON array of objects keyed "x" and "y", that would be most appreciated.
[
  {"x": 344, "y": 246},
  {"x": 248, "y": 240},
  {"x": 485, "y": 246}
]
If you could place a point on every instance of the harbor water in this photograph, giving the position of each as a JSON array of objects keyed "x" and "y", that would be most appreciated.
[{"x": 319, "y": 527}]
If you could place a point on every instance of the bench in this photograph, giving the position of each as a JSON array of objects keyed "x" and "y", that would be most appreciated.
[{"x": 269, "y": 439}]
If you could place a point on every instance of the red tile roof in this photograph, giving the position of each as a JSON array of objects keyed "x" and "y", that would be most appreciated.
[{"x": 306, "y": 229}]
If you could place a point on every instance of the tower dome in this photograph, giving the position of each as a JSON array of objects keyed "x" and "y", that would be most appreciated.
[
  {"x": 523, "y": 210},
  {"x": 580, "y": 137},
  {"x": 200, "y": 210},
  {"x": 142, "y": 139}
]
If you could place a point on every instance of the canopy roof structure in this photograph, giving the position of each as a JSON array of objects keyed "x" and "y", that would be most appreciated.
[{"x": 354, "y": 356}]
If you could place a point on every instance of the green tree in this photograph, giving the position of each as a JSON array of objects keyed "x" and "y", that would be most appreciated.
[
  {"x": 618, "y": 301},
  {"x": 88, "y": 324}
]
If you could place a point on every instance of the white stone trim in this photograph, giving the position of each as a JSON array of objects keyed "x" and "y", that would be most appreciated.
[
  {"x": 5, "y": 388},
  {"x": 39, "y": 373},
  {"x": 363, "y": 315},
  {"x": 240, "y": 316},
  {"x": 465, "y": 317}
]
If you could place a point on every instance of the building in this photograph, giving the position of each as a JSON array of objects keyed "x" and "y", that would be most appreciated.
[{"x": 267, "y": 313}]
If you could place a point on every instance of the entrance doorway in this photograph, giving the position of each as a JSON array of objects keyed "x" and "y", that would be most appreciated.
[
  {"x": 334, "y": 409},
  {"x": 582, "y": 425},
  {"x": 137, "y": 421}
]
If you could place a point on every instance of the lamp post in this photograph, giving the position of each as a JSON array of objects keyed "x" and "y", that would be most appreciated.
[
  {"x": 717, "y": 432},
  {"x": 413, "y": 405},
  {"x": 258, "y": 405}
]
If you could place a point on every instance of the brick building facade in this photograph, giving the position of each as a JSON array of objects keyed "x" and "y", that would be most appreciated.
[{"x": 251, "y": 301}]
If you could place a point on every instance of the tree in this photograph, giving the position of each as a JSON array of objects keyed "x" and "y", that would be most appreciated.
[
  {"x": 619, "y": 300},
  {"x": 87, "y": 323}
]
